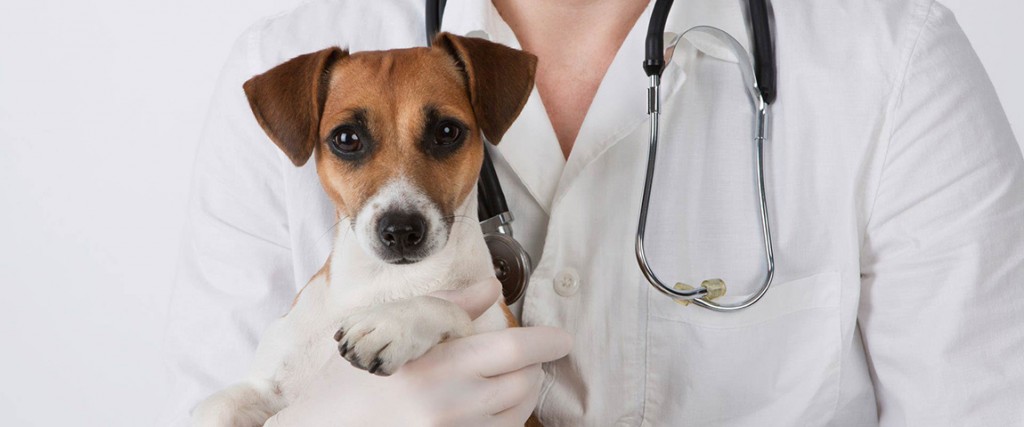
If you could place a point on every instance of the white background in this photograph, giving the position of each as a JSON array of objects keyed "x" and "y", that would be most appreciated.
[{"x": 101, "y": 105}]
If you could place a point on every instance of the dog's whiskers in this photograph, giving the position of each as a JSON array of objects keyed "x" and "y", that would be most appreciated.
[
  {"x": 453, "y": 219},
  {"x": 333, "y": 227}
]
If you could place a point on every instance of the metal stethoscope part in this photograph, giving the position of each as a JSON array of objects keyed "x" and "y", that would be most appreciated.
[
  {"x": 512, "y": 264},
  {"x": 709, "y": 289}
]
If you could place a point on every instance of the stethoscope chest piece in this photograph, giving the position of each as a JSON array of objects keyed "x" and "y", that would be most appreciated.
[{"x": 511, "y": 265}]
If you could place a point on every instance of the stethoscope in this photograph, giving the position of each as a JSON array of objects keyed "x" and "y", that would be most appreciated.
[{"x": 512, "y": 263}]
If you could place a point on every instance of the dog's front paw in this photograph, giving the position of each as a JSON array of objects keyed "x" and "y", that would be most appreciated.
[{"x": 382, "y": 338}]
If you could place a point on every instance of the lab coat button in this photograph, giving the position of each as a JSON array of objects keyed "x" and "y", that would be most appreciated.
[{"x": 567, "y": 282}]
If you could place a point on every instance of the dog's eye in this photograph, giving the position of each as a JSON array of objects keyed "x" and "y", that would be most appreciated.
[
  {"x": 346, "y": 140},
  {"x": 447, "y": 132}
]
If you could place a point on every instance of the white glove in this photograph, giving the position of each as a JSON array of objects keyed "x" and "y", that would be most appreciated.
[{"x": 490, "y": 379}]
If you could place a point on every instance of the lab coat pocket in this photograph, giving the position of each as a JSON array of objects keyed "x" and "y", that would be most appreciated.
[{"x": 774, "y": 363}]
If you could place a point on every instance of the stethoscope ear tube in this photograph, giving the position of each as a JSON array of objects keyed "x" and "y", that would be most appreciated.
[
  {"x": 489, "y": 195},
  {"x": 654, "y": 47},
  {"x": 761, "y": 39},
  {"x": 763, "y": 48},
  {"x": 434, "y": 12}
]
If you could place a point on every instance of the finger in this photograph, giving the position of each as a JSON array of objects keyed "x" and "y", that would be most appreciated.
[
  {"x": 475, "y": 299},
  {"x": 510, "y": 390},
  {"x": 518, "y": 414},
  {"x": 495, "y": 353},
  {"x": 277, "y": 420}
]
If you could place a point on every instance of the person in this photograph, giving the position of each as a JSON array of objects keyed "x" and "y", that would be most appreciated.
[{"x": 895, "y": 188}]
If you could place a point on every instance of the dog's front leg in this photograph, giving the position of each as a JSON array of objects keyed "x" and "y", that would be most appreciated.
[
  {"x": 246, "y": 404},
  {"x": 381, "y": 338}
]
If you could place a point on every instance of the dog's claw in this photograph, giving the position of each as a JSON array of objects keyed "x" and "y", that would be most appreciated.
[
  {"x": 375, "y": 366},
  {"x": 339, "y": 334},
  {"x": 343, "y": 348}
]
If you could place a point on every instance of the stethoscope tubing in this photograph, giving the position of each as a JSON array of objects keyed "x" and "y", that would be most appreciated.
[{"x": 760, "y": 80}]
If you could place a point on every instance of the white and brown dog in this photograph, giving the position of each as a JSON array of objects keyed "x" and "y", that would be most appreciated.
[{"x": 397, "y": 140}]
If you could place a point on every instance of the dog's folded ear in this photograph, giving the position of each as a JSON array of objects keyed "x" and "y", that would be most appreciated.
[
  {"x": 288, "y": 101},
  {"x": 500, "y": 80}
]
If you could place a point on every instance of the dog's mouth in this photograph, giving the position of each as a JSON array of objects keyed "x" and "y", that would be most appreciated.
[
  {"x": 407, "y": 256},
  {"x": 402, "y": 260}
]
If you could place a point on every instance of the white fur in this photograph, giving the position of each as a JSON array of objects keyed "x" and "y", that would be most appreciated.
[{"x": 363, "y": 294}]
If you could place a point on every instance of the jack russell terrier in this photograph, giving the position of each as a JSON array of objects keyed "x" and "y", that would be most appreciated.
[{"x": 397, "y": 140}]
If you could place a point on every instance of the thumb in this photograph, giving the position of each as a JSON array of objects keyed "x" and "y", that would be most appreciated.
[{"x": 476, "y": 298}]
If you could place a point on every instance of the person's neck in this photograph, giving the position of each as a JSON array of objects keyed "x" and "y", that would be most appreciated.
[
  {"x": 575, "y": 42},
  {"x": 537, "y": 23}
]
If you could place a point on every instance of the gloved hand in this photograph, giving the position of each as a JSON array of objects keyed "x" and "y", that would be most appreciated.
[{"x": 490, "y": 379}]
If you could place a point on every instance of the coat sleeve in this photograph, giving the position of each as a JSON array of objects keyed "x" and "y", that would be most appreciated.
[
  {"x": 942, "y": 297},
  {"x": 235, "y": 270}
]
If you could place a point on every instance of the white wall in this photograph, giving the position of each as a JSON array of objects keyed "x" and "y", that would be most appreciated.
[
  {"x": 994, "y": 28},
  {"x": 101, "y": 104}
]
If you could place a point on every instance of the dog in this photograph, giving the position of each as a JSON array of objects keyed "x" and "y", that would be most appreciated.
[{"x": 398, "y": 141}]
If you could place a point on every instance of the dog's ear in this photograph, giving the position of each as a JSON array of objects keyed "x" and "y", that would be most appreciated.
[
  {"x": 288, "y": 101},
  {"x": 500, "y": 80}
]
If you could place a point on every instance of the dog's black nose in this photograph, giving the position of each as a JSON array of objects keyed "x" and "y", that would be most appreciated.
[{"x": 402, "y": 231}]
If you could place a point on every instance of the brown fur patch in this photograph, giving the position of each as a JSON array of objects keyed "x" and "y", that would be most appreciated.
[
  {"x": 500, "y": 80},
  {"x": 392, "y": 90},
  {"x": 324, "y": 273},
  {"x": 510, "y": 318},
  {"x": 288, "y": 99}
]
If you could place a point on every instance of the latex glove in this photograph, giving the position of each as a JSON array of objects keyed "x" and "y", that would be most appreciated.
[{"x": 490, "y": 379}]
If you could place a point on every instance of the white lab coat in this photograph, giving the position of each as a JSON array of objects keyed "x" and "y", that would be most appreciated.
[{"x": 895, "y": 187}]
